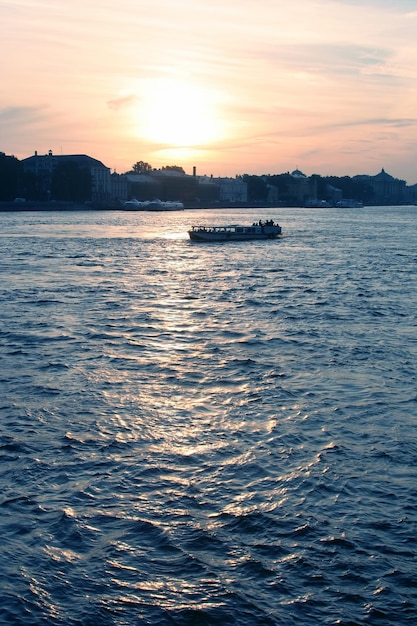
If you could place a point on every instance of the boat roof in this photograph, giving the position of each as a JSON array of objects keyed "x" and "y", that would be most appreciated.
[{"x": 222, "y": 226}]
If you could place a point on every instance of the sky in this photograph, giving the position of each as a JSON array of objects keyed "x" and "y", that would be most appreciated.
[{"x": 228, "y": 86}]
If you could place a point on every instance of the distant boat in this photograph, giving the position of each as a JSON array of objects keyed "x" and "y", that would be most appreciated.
[
  {"x": 152, "y": 205},
  {"x": 260, "y": 230},
  {"x": 349, "y": 203},
  {"x": 160, "y": 205},
  {"x": 317, "y": 204},
  {"x": 134, "y": 205}
]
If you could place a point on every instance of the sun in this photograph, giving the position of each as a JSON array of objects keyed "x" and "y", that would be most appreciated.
[{"x": 181, "y": 115}]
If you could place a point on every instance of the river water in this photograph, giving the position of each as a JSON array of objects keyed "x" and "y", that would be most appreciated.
[{"x": 198, "y": 434}]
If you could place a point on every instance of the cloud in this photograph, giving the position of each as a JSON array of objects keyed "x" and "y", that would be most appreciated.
[
  {"x": 398, "y": 6},
  {"x": 377, "y": 121},
  {"x": 123, "y": 101},
  {"x": 22, "y": 114},
  {"x": 329, "y": 57}
]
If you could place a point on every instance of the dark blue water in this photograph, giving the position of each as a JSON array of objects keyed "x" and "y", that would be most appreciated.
[{"x": 197, "y": 434}]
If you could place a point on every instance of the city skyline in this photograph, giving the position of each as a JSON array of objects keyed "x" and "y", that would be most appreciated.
[{"x": 251, "y": 87}]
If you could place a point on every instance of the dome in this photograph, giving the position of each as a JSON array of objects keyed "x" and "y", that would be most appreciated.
[
  {"x": 298, "y": 174},
  {"x": 383, "y": 175}
]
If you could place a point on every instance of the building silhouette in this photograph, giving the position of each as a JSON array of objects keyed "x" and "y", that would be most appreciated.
[
  {"x": 81, "y": 178},
  {"x": 43, "y": 168}
]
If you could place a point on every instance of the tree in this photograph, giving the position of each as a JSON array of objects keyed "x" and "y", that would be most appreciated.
[
  {"x": 358, "y": 188},
  {"x": 174, "y": 168},
  {"x": 257, "y": 188},
  {"x": 140, "y": 167},
  {"x": 321, "y": 191},
  {"x": 10, "y": 175}
]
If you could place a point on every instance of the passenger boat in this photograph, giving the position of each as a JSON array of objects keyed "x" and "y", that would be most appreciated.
[{"x": 261, "y": 230}]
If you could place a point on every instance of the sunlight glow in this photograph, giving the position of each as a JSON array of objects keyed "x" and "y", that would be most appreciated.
[
  {"x": 173, "y": 113},
  {"x": 214, "y": 85}
]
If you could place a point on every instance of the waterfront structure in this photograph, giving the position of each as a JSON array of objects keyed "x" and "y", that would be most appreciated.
[
  {"x": 386, "y": 189},
  {"x": 44, "y": 166},
  {"x": 85, "y": 179},
  {"x": 232, "y": 190},
  {"x": 296, "y": 188}
]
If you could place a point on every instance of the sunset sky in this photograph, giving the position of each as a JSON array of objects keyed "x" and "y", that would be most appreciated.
[{"x": 228, "y": 86}]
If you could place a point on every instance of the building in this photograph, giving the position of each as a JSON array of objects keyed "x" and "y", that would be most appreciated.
[
  {"x": 232, "y": 190},
  {"x": 295, "y": 188},
  {"x": 386, "y": 189},
  {"x": 44, "y": 166},
  {"x": 412, "y": 194}
]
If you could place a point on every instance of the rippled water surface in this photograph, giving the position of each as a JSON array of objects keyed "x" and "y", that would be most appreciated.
[{"x": 208, "y": 433}]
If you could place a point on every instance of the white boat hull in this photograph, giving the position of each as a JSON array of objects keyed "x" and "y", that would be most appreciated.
[
  {"x": 152, "y": 205},
  {"x": 168, "y": 205}
]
